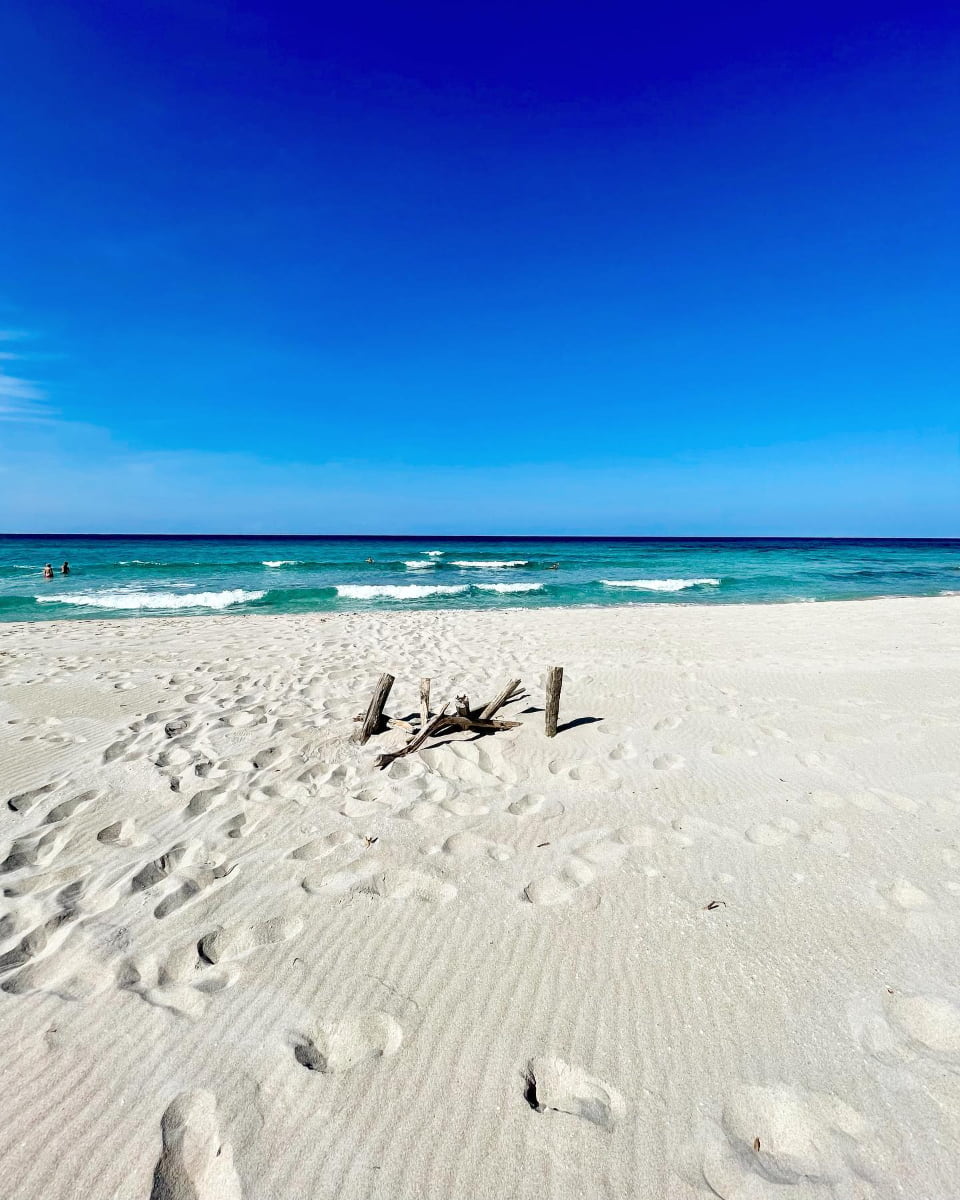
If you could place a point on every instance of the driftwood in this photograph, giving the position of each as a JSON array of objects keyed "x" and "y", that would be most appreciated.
[
  {"x": 475, "y": 723},
  {"x": 481, "y": 720},
  {"x": 508, "y": 693},
  {"x": 554, "y": 684},
  {"x": 399, "y": 723},
  {"x": 384, "y": 760},
  {"x": 374, "y": 715}
]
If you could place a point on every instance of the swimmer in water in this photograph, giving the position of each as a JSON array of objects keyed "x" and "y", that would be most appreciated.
[
  {"x": 47, "y": 571},
  {"x": 65, "y": 569}
]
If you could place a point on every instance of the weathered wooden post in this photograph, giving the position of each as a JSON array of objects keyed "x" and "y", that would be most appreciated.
[
  {"x": 374, "y": 714},
  {"x": 554, "y": 684},
  {"x": 424, "y": 700}
]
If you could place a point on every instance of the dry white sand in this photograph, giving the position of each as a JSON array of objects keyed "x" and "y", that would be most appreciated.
[{"x": 704, "y": 942}]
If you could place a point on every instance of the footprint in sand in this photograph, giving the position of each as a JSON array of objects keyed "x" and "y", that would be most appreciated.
[
  {"x": 878, "y": 800},
  {"x": 179, "y": 998},
  {"x": 622, "y": 752},
  {"x": 552, "y": 889},
  {"x": 120, "y": 833},
  {"x": 34, "y": 850},
  {"x": 322, "y": 846},
  {"x": 768, "y": 1138},
  {"x": 830, "y": 835},
  {"x": 198, "y": 881},
  {"x": 181, "y": 983},
  {"x": 551, "y": 1083},
  {"x": 906, "y": 896},
  {"x": 46, "y": 881},
  {"x": 912, "y": 1029},
  {"x": 580, "y": 869},
  {"x": 669, "y": 762},
  {"x": 951, "y": 856},
  {"x": 815, "y": 761},
  {"x": 463, "y": 806},
  {"x": 238, "y": 940},
  {"x": 408, "y": 885},
  {"x": 342, "y": 1045},
  {"x": 472, "y": 845},
  {"x": 159, "y": 868},
  {"x": 202, "y": 802},
  {"x": 194, "y": 1163},
  {"x": 525, "y": 806},
  {"x": 423, "y": 812},
  {"x": 38, "y": 942},
  {"x": 732, "y": 750},
  {"x": 240, "y": 825},
  {"x": 26, "y": 800},
  {"x": 68, "y": 808}
]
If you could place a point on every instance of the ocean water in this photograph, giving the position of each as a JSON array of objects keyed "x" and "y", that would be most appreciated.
[{"x": 121, "y": 576}]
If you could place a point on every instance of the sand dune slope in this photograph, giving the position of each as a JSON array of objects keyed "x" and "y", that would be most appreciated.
[{"x": 703, "y": 943}]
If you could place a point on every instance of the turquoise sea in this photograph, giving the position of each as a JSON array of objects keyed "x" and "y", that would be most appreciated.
[{"x": 121, "y": 576}]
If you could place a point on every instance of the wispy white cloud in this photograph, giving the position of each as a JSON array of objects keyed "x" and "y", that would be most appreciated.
[{"x": 21, "y": 399}]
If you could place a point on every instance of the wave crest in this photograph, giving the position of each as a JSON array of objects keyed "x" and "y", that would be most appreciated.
[
  {"x": 509, "y": 587},
  {"x": 497, "y": 566},
  {"x": 152, "y": 600},
  {"x": 407, "y": 591},
  {"x": 660, "y": 585}
]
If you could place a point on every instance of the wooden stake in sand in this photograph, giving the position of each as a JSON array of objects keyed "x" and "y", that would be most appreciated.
[
  {"x": 374, "y": 714},
  {"x": 463, "y": 706},
  {"x": 554, "y": 684},
  {"x": 424, "y": 700}
]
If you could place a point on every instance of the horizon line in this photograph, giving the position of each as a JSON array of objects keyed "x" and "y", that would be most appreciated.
[{"x": 571, "y": 537}]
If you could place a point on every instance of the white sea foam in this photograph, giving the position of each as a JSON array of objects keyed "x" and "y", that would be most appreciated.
[
  {"x": 280, "y": 562},
  {"x": 434, "y": 553},
  {"x": 419, "y": 564},
  {"x": 509, "y": 587},
  {"x": 467, "y": 562},
  {"x": 121, "y": 600},
  {"x": 407, "y": 591},
  {"x": 659, "y": 585}
]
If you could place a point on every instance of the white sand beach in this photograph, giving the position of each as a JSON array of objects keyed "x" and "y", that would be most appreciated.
[{"x": 702, "y": 943}]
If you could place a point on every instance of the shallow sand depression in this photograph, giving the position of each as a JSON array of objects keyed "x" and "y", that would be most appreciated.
[{"x": 702, "y": 943}]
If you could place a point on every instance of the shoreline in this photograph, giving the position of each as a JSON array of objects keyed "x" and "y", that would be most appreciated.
[{"x": 327, "y": 614}]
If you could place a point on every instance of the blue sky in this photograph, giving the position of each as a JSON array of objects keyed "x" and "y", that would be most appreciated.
[{"x": 600, "y": 268}]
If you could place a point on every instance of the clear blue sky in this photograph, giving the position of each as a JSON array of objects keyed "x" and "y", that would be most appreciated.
[{"x": 587, "y": 268}]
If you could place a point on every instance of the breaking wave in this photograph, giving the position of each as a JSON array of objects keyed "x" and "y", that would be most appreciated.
[
  {"x": 509, "y": 587},
  {"x": 660, "y": 585},
  {"x": 153, "y": 600},
  {"x": 409, "y": 591},
  {"x": 469, "y": 562}
]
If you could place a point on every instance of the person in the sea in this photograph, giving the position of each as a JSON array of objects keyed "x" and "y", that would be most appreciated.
[
  {"x": 369, "y": 560},
  {"x": 65, "y": 569},
  {"x": 554, "y": 567},
  {"x": 47, "y": 571}
]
